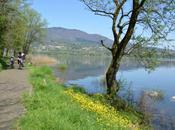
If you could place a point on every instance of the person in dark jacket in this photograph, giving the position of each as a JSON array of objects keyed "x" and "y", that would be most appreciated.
[{"x": 20, "y": 60}]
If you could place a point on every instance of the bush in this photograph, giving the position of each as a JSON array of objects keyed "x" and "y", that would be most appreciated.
[{"x": 3, "y": 64}]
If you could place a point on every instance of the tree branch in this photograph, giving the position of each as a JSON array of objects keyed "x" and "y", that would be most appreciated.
[
  {"x": 98, "y": 11},
  {"x": 105, "y": 15},
  {"x": 105, "y": 46},
  {"x": 132, "y": 23},
  {"x": 121, "y": 27},
  {"x": 116, "y": 13},
  {"x": 116, "y": 2},
  {"x": 128, "y": 52},
  {"x": 142, "y": 3}
]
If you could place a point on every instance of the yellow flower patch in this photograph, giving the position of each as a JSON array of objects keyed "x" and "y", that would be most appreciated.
[{"x": 107, "y": 114}]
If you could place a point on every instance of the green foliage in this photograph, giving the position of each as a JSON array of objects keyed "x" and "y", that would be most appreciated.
[
  {"x": 50, "y": 108},
  {"x": 41, "y": 72},
  {"x": 16, "y": 25},
  {"x": 3, "y": 63},
  {"x": 148, "y": 57},
  {"x": 1, "y": 67},
  {"x": 35, "y": 28},
  {"x": 78, "y": 89},
  {"x": 2, "y": 32}
]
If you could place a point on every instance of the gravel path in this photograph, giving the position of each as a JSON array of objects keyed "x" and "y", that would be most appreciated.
[{"x": 12, "y": 84}]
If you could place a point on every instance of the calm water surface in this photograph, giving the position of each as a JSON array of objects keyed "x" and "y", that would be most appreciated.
[{"x": 88, "y": 71}]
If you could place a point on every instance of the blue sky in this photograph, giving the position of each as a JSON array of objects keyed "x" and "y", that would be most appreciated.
[{"x": 74, "y": 15}]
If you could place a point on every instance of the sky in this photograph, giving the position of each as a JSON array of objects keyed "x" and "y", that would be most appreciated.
[{"x": 72, "y": 14}]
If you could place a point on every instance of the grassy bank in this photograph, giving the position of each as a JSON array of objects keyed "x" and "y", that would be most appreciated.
[{"x": 53, "y": 107}]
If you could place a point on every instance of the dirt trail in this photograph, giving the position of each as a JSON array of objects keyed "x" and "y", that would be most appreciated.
[{"x": 12, "y": 84}]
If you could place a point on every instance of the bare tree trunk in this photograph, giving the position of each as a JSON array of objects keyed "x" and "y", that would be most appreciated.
[
  {"x": 4, "y": 52},
  {"x": 112, "y": 84},
  {"x": 15, "y": 53},
  {"x": 1, "y": 53},
  {"x": 7, "y": 52}
]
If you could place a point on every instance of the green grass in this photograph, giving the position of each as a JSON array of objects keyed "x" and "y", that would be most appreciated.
[{"x": 50, "y": 108}]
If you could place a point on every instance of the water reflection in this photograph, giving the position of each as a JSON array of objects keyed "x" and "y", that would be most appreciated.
[
  {"x": 94, "y": 86},
  {"x": 82, "y": 66}
]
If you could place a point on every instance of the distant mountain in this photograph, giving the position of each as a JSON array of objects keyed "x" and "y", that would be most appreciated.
[{"x": 57, "y": 35}]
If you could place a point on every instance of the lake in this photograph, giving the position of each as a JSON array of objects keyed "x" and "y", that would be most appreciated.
[{"x": 88, "y": 72}]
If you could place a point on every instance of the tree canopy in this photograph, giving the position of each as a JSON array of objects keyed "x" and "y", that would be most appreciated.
[{"x": 20, "y": 25}]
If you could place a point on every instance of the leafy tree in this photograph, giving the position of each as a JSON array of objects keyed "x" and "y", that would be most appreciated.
[
  {"x": 11, "y": 24},
  {"x": 16, "y": 28},
  {"x": 3, "y": 26},
  {"x": 35, "y": 28},
  {"x": 20, "y": 25},
  {"x": 138, "y": 26}
]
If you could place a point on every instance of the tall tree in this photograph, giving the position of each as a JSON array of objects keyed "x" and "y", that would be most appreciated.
[
  {"x": 138, "y": 26},
  {"x": 3, "y": 21},
  {"x": 12, "y": 25},
  {"x": 20, "y": 26},
  {"x": 35, "y": 28}
]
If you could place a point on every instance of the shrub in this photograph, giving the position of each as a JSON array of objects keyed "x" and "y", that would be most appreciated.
[{"x": 3, "y": 64}]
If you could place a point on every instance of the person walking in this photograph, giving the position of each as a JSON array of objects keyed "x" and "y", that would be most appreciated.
[
  {"x": 23, "y": 58},
  {"x": 12, "y": 61},
  {"x": 20, "y": 60}
]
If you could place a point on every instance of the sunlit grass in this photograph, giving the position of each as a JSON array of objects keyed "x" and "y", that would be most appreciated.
[{"x": 52, "y": 107}]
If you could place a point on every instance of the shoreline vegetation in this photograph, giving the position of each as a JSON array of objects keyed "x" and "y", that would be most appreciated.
[
  {"x": 35, "y": 60},
  {"x": 51, "y": 106},
  {"x": 41, "y": 60}
]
